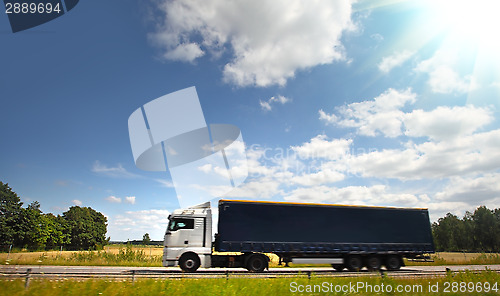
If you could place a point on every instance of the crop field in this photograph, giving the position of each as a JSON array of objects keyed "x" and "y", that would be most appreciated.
[
  {"x": 114, "y": 255},
  {"x": 461, "y": 283},
  {"x": 126, "y": 255}
]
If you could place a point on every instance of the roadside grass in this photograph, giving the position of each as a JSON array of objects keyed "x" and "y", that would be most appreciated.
[{"x": 301, "y": 284}]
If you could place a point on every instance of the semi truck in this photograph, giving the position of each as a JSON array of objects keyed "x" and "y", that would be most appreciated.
[{"x": 343, "y": 236}]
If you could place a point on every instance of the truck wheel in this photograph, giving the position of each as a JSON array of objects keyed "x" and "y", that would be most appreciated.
[
  {"x": 354, "y": 263},
  {"x": 256, "y": 263},
  {"x": 189, "y": 262},
  {"x": 393, "y": 262},
  {"x": 338, "y": 267},
  {"x": 373, "y": 262}
]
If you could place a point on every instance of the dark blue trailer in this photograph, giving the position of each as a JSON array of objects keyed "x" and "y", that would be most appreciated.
[{"x": 344, "y": 236}]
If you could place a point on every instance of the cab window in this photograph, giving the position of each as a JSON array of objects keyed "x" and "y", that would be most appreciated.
[{"x": 180, "y": 223}]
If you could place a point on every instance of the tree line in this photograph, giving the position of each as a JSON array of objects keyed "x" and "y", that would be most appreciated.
[
  {"x": 79, "y": 228},
  {"x": 475, "y": 232}
]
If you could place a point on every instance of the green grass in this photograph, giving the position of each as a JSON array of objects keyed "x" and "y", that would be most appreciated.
[{"x": 248, "y": 286}]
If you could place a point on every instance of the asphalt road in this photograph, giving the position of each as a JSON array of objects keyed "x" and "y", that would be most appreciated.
[{"x": 121, "y": 272}]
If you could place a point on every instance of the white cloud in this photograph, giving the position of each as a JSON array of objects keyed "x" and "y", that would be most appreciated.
[
  {"x": 446, "y": 122},
  {"x": 395, "y": 60},
  {"x": 269, "y": 40},
  {"x": 115, "y": 172},
  {"x": 266, "y": 105},
  {"x": 323, "y": 176},
  {"x": 443, "y": 78},
  {"x": 184, "y": 52},
  {"x": 355, "y": 195},
  {"x": 472, "y": 190},
  {"x": 129, "y": 199},
  {"x": 113, "y": 199},
  {"x": 206, "y": 168},
  {"x": 262, "y": 188},
  {"x": 77, "y": 202},
  {"x": 321, "y": 147},
  {"x": 134, "y": 224},
  {"x": 477, "y": 153},
  {"x": 381, "y": 115}
]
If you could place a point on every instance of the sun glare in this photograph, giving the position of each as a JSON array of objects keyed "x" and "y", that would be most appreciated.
[{"x": 473, "y": 21}]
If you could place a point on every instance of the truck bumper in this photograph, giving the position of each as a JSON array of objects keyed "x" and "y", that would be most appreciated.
[{"x": 169, "y": 263}]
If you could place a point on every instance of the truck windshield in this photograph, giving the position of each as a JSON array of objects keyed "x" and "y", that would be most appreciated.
[{"x": 180, "y": 223}]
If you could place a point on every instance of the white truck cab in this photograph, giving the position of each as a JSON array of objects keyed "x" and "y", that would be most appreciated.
[{"x": 188, "y": 238}]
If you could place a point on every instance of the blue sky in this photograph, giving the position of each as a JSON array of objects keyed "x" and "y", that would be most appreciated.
[{"x": 391, "y": 103}]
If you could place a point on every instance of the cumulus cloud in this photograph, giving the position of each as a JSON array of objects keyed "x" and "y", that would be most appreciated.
[
  {"x": 77, "y": 202},
  {"x": 384, "y": 116},
  {"x": 129, "y": 199},
  {"x": 268, "y": 40},
  {"x": 267, "y": 105},
  {"x": 126, "y": 199},
  {"x": 113, "y": 199},
  {"x": 443, "y": 78},
  {"x": 322, "y": 176},
  {"x": 381, "y": 115},
  {"x": 394, "y": 60},
  {"x": 475, "y": 190},
  {"x": 321, "y": 147},
  {"x": 446, "y": 122},
  {"x": 355, "y": 195},
  {"x": 461, "y": 156}
]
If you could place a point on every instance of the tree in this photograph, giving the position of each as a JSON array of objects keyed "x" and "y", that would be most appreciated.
[
  {"x": 146, "y": 239},
  {"x": 34, "y": 227},
  {"x": 478, "y": 231},
  {"x": 58, "y": 231},
  {"x": 485, "y": 229},
  {"x": 10, "y": 211},
  {"x": 86, "y": 227},
  {"x": 447, "y": 233}
]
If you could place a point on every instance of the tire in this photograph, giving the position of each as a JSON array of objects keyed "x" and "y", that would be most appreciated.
[
  {"x": 189, "y": 262},
  {"x": 393, "y": 262},
  {"x": 338, "y": 267},
  {"x": 354, "y": 263},
  {"x": 373, "y": 262},
  {"x": 256, "y": 263}
]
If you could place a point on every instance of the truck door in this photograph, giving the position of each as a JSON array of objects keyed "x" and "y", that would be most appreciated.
[{"x": 179, "y": 232}]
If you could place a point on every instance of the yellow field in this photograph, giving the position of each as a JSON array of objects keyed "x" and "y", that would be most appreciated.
[
  {"x": 110, "y": 255},
  {"x": 455, "y": 258}
]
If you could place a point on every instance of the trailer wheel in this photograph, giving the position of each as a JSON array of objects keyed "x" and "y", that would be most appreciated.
[
  {"x": 189, "y": 262},
  {"x": 393, "y": 262},
  {"x": 354, "y": 263},
  {"x": 373, "y": 262},
  {"x": 338, "y": 267},
  {"x": 256, "y": 263}
]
